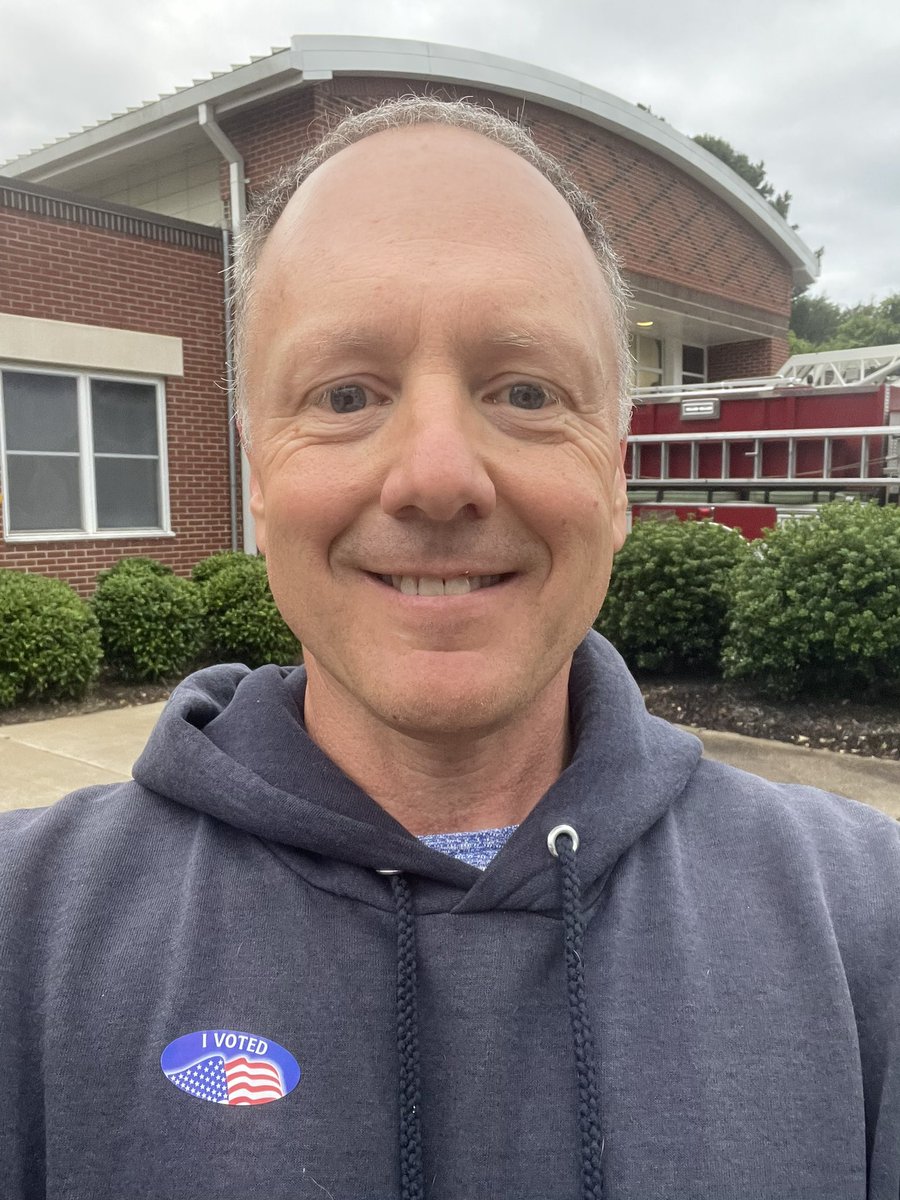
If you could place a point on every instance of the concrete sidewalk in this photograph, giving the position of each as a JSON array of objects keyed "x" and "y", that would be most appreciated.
[{"x": 42, "y": 760}]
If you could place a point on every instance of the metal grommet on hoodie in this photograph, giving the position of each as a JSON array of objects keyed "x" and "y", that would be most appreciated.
[{"x": 558, "y": 831}]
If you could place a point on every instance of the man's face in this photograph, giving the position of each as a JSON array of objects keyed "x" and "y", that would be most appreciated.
[{"x": 436, "y": 477}]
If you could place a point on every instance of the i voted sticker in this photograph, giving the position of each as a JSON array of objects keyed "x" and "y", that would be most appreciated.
[{"x": 228, "y": 1067}]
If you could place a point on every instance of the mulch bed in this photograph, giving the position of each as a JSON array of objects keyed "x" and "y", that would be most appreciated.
[
  {"x": 105, "y": 693},
  {"x": 845, "y": 726}
]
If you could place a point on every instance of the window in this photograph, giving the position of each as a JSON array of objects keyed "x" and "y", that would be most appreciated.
[
  {"x": 693, "y": 364},
  {"x": 82, "y": 455},
  {"x": 647, "y": 353}
]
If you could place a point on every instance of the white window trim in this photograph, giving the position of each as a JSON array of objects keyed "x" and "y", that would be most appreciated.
[
  {"x": 89, "y": 532},
  {"x": 640, "y": 369},
  {"x": 695, "y": 378}
]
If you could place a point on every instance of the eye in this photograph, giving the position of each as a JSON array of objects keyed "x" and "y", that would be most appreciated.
[
  {"x": 528, "y": 395},
  {"x": 348, "y": 398}
]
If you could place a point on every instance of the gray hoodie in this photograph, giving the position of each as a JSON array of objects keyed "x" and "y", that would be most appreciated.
[{"x": 199, "y": 976}]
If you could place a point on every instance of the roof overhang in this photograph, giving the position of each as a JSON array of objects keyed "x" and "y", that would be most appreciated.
[{"x": 171, "y": 122}]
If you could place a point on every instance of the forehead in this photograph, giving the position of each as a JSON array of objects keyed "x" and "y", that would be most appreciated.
[{"x": 434, "y": 190}]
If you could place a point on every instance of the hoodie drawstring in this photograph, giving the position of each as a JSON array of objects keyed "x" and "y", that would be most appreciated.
[
  {"x": 412, "y": 1181},
  {"x": 563, "y": 844}
]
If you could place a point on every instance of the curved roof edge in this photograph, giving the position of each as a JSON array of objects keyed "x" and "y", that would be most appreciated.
[{"x": 313, "y": 58}]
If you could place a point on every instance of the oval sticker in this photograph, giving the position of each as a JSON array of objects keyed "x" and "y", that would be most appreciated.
[{"x": 228, "y": 1067}]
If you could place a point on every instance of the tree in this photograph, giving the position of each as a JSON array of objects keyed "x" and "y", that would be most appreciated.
[
  {"x": 817, "y": 323},
  {"x": 753, "y": 173},
  {"x": 869, "y": 325},
  {"x": 815, "y": 318}
]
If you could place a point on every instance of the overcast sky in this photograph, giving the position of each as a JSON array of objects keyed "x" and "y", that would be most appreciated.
[{"x": 812, "y": 87}]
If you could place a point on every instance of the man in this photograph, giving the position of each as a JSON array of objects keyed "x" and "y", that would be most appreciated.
[{"x": 446, "y": 913}]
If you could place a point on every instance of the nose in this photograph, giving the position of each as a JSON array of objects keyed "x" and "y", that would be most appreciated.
[{"x": 437, "y": 466}]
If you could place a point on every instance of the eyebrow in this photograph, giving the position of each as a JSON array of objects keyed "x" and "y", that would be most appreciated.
[
  {"x": 342, "y": 340},
  {"x": 521, "y": 340},
  {"x": 325, "y": 341}
]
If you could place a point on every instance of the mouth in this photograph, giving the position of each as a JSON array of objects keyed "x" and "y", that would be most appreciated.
[{"x": 435, "y": 585}]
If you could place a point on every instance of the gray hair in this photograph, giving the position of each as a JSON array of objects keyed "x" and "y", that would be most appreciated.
[{"x": 397, "y": 114}]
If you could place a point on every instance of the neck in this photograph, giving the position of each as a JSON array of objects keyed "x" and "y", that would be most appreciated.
[{"x": 444, "y": 782}]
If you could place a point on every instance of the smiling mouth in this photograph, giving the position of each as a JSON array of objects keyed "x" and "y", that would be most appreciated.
[{"x": 431, "y": 585}]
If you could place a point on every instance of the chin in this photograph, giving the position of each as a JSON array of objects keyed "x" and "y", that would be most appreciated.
[{"x": 436, "y": 707}]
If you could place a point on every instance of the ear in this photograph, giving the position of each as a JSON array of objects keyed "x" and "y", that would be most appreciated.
[
  {"x": 620, "y": 499},
  {"x": 257, "y": 505}
]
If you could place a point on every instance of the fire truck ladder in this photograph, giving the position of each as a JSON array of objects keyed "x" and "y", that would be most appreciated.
[
  {"x": 842, "y": 368},
  {"x": 851, "y": 457},
  {"x": 768, "y": 458},
  {"x": 830, "y": 369}
]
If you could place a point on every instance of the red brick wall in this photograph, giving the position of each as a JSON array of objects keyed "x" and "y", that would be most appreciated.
[
  {"x": 663, "y": 223},
  {"x": 746, "y": 360},
  {"x": 64, "y": 271}
]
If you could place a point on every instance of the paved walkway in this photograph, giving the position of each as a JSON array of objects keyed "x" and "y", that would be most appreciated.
[{"x": 41, "y": 761}]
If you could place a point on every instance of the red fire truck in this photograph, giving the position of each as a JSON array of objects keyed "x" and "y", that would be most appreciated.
[{"x": 750, "y": 452}]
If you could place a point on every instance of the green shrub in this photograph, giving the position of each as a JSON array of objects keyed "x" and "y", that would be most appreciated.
[
  {"x": 242, "y": 622},
  {"x": 207, "y": 567},
  {"x": 818, "y": 604},
  {"x": 666, "y": 609},
  {"x": 136, "y": 563},
  {"x": 151, "y": 623},
  {"x": 49, "y": 640}
]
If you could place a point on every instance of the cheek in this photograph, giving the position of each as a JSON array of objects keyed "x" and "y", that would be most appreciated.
[{"x": 306, "y": 503}]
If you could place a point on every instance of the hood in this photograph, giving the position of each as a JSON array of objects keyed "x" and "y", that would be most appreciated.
[{"x": 231, "y": 744}]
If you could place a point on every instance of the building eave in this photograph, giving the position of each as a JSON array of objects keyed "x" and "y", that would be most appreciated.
[
  {"x": 158, "y": 119},
  {"x": 314, "y": 58}
]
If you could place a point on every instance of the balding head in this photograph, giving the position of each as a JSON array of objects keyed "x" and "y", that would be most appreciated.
[{"x": 425, "y": 112}]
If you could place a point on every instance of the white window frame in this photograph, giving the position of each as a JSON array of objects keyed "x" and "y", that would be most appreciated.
[
  {"x": 89, "y": 530},
  {"x": 695, "y": 378},
  {"x": 658, "y": 373}
]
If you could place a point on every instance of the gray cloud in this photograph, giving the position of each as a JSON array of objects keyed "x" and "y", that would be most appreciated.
[{"x": 809, "y": 86}]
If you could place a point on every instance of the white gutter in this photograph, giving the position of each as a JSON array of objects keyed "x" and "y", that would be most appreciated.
[
  {"x": 237, "y": 183},
  {"x": 237, "y": 195}
]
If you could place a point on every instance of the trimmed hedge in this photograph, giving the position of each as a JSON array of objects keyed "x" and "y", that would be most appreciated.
[
  {"x": 207, "y": 567},
  {"x": 151, "y": 621},
  {"x": 138, "y": 564},
  {"x": 49, "y": 640},
  {"x": 667, "y": 604},
  {"x": 242, "y": 622},
  {"x": 817, "y": 605}
]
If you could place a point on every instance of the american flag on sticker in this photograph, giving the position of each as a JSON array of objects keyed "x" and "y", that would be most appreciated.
[{"x": 237, "y": 1081}]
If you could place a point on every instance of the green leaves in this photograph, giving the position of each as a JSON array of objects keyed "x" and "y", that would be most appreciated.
[
  {"x": 815, "y": 605},
  {"x": 817, "y": 323},
  {"x": 242, "y": 622},
  {"x": 151, "y": 622},
  {"x": 818, "y": 607},
  {"x": 49, "y": 640},
  {"x": 666, "y": 608},
  {"x": 146, "y": 622}
]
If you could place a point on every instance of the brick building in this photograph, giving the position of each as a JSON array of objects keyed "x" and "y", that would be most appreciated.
[{"x": 115, "y": 435}]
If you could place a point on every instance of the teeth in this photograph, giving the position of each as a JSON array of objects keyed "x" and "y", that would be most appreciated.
[
  {"x": 460, "y": 586},
  {"x": 429, "y": 585}
]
